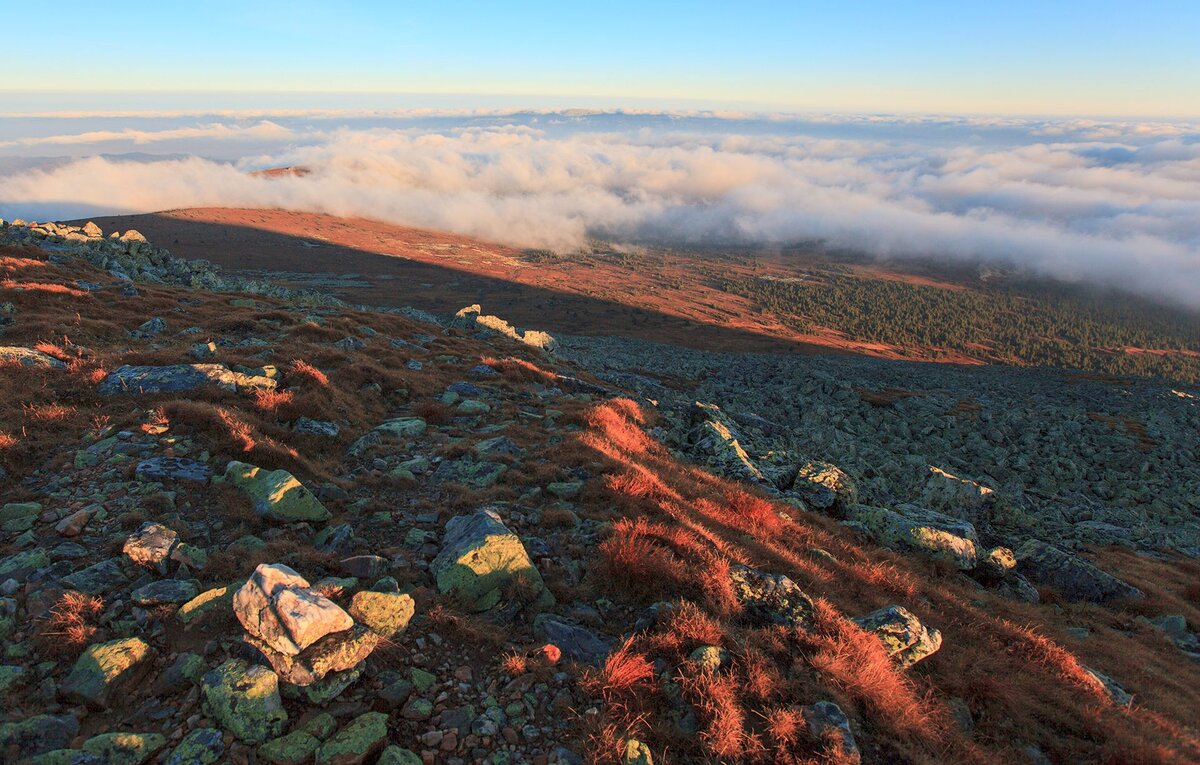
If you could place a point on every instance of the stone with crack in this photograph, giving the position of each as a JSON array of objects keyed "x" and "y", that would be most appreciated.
[{"x": 277, "y": 607}]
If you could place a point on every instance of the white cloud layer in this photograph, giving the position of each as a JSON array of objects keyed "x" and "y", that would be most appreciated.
[{"x": 1111, "y": 203}]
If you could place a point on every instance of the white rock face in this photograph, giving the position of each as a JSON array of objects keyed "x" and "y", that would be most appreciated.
[{"x": 276, "y": 606}]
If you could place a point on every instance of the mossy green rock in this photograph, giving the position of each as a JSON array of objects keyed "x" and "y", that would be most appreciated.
[
  {"x": 395, "y": 755},
  {"x": 207, "y": 603},
  {"x": 636, "y": 753},
  {"x": 203, "y": 746},
  {"x": 244, "y": 699},
  {"x": 102, "y": 668},
  {"x": 23, "y": 563},
  {"x": 10, "y": 677},
  {"x": 14, "y": 510},
  {"x": 293, "y": 749},
  {"x": 481, "y": 560},
  {"x": 277, "y": 494},
  {"x": 709, "y": 658},
  {"x": 385, "y": 613},
  {"x": 125, "y": 748},
  {"x": 355, "y": 743}
]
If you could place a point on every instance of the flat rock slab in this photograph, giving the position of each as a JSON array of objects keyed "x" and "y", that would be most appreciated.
[
  {"x": 165, "y": 591},
  {"x": 481, "y": 558},
  {"x": 1073, "y": 576},
  {"x": 177, "y": 378},
  {"x": 277, "y": 494},
  {"x": 97, "y": 579},
  {"x": 921, "y": 531},
  {"x": 576, "y": 643},
  {"x": 173, "y": 468},
  {"x": 28, "y": 357}
]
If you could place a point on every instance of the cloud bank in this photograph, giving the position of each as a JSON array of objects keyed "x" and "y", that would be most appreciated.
[{"x": 1111, "y": 203}]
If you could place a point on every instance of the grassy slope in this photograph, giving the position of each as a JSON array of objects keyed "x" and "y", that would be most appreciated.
[{"x": 676, "y": 530}]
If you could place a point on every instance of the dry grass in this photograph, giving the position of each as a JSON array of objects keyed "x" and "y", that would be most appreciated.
[
  {"x": 676, "y": 530},
  {"x": 71, "y": 624},
  {"x": 306, "y": 372}
]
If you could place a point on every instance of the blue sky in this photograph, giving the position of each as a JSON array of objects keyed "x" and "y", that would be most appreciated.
[{"x": 1065, "y": 57}]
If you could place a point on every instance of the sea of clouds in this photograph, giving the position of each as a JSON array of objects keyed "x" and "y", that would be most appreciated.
[{"x": 1112, "y": 203}]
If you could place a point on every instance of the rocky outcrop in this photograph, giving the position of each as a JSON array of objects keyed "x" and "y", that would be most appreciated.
[
  {"x": 177, "y": 378},
  {"x": 472, "y": 317}
]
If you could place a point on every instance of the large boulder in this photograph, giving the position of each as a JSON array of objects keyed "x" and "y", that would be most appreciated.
[
  {"x": 277, "y": 606},
  {"x": 481, "y": 560},
  {"x": 771, "y": 598},
  {"x": 104, "y": 669},
  {"x": 277, "y": 494},
  {"x": 244, "y": 700},
  {"x": 1071, "y": 575},
  {"x": 28, "y": 357},
  {"x": 910, "y": 528},
  {"x": 178, "y": 378},
  {"x": 904, "y": 637}
]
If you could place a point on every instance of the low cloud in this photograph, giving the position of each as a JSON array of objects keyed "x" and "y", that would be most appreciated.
[{"x": 1111, "y": 203}]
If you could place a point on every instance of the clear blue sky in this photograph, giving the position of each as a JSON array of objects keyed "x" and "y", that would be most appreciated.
[{"x": 996, "y": 56}]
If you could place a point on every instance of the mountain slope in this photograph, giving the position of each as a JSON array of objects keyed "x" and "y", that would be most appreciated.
[{"x": 636, "y": 519}]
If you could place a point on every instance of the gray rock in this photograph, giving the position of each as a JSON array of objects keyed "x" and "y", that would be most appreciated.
[
  {"x": 173, "y": 468},
  {"x": 28, "y": 357},
  {"x": 828, "y": 723},
  {"x": 1074, "y": 577},
  {"x": 316, "y": 427},
  {"x": 178, "y": 378},
  {"x": 771, "y": 598},
  {"x": 576, "y": 643},
  {"x": 904, "y": 637}
]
